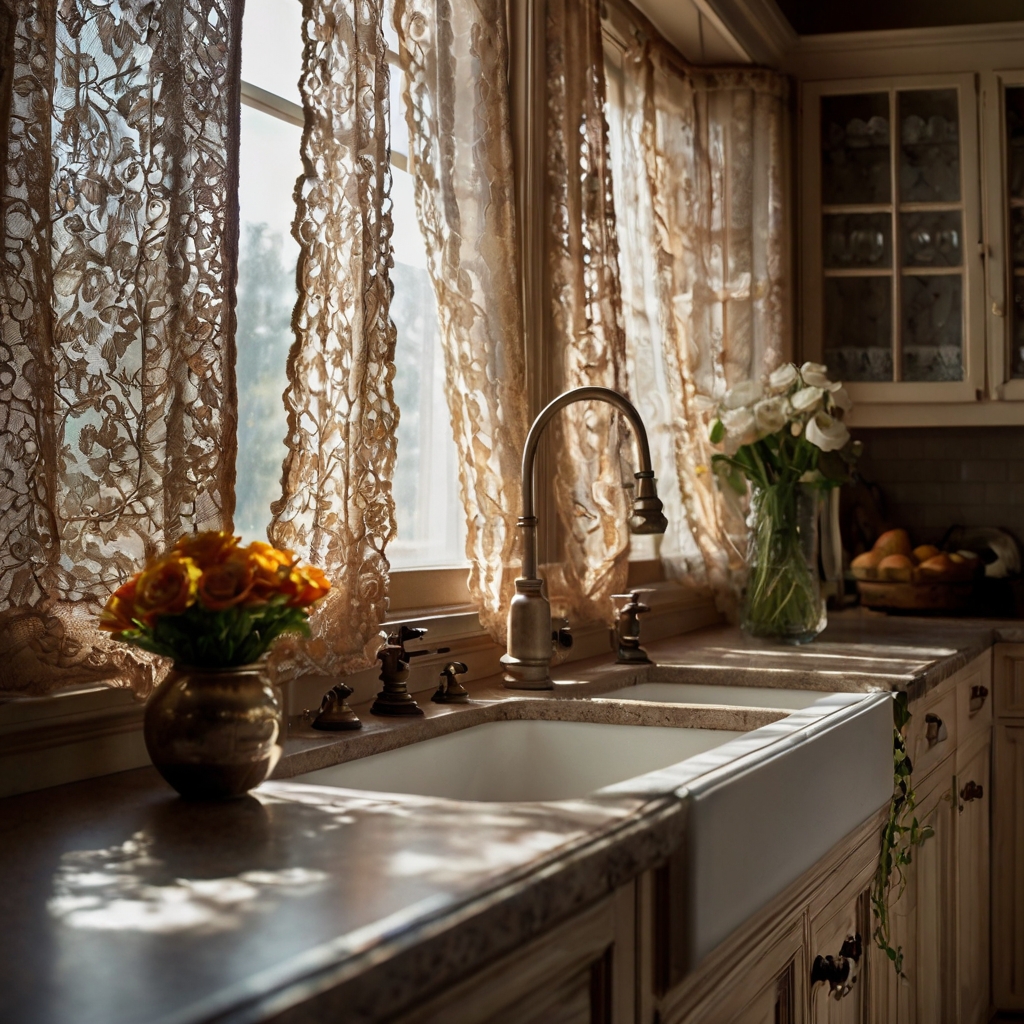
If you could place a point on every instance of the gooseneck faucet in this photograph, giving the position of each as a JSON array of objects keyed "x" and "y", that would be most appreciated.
[{"x": 528, "y": 661}]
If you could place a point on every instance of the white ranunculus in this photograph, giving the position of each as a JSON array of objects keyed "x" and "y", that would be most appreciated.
[
  {"x": 807, "y": 399},
  {"x": 747, "y": 392},
  {"x": 815, "y": 375},
  {"x": 841, "y": 399},
  {"x": 740, "y": 429},
  {"x": 783, "y": 378},
  {"x": 828, "y": 433},
  {"x": 771, "y": 415}
]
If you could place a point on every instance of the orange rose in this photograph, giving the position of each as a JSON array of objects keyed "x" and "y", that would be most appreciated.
[
  {"x": 119, "y": 611},
  {"x": 270, "y": 569},
  {"x": 306, "y": 585},
  {"x": 225, "y": 585},
  {"x": 167, "y": 587},
  {"x": 211, "y": 547}
]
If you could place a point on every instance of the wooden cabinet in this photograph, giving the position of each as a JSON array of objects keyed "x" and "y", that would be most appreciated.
[
  {"x": 974, "y": 795},
  {"x": 1008, "y": 866},
  {"x": 838, "y": 942},
  {"x": 912, "y": 276},
  {"x": 582, "y": 972},
  {"x": 1008, "y": 830},
  {"x": 930, "y": 962}
]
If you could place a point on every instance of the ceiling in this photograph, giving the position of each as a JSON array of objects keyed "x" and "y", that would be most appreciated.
[{"x": 812, "y": 17}]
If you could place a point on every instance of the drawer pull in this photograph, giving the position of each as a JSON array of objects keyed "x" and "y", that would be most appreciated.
[
  {"x": 935, "y": 730},
  {"x": 978, "y": 695},
  {"x": 972, "y": 791},
  {"x": 838, "y": 971}
]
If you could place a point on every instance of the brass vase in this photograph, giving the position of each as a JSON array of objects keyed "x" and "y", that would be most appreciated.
[{"x": 214, "y": 734}]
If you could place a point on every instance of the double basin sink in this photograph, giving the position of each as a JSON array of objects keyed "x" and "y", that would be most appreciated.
[{"x": 762, "y": 804}]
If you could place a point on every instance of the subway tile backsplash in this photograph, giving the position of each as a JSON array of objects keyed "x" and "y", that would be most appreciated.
[{"x": 934, "y": 478}]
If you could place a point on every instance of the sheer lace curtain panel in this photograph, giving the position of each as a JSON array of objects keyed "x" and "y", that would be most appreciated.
[
  {"x": 117, "y": 403},
  {"x": 705, "y": 261}
]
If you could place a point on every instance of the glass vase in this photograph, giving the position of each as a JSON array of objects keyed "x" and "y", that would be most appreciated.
[{"x": 783, "y": 599}]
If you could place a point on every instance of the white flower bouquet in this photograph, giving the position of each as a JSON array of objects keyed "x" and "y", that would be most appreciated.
[{"x": 785, "y": 436}]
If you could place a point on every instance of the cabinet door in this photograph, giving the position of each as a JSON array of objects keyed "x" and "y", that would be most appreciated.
[
  {"x": 975, "y": 795},
  {"x": 581, "y": 972},
  {"x": 774, "y": 1004},
  {"x": 930, "y": 959},
  {"x": 839, "y": 985},
  {"x": 1008, "y": 866},
  {"x": 893, "y": 294}
]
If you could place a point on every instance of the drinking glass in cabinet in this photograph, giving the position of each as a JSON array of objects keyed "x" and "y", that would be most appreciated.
[
  {"x": 861, "y": 240},
  {"x": 931, "y": 238},
  {"x": 855, "y": 149}
]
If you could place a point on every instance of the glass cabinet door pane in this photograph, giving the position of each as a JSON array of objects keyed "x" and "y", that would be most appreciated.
[
  {"x": 1017, "y": 340},
  {"x": 858, "y": 328},
  {"x": 929, "y": 146},
  {"x": 932, "y": 322},
  {"x": 1017, "y": 235},
  {"x": 931, "y": 239},
  {"x": 855, "y": 149},
  {"x": 1015, "y": 140},
  {"x": 858, "y": 240}
]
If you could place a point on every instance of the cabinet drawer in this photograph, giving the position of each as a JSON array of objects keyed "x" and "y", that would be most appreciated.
[
  {"x": 974, "y": 702},
  {"x": 931, "y": 735},
  {"x": 1009, "y": 680}
]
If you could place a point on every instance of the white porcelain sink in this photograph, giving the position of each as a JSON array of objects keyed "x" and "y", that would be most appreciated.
[
  {"x": 713, "y": 693},
  {"x": 762, "y": 806},
  {"x": 522, "y": 760}
]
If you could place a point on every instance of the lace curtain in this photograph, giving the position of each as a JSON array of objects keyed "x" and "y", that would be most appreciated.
[
  {"x": 587, "y": 341},
  {"x": 705, "y": 152},
  {"x": 455, "y": 56},
  {"x": 117, "y": 412},
  {"x": 337, "y": 510}
]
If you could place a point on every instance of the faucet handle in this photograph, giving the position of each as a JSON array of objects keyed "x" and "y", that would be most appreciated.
[
  {"x": 627, "y": 628},
  {"x": 335, "y": 715},
  {"x": 450, "y": 690},
  {"x": 405, "y": 634},
  {"x": 562, "y": 636}
]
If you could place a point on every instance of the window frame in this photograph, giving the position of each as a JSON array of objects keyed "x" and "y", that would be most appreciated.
[{"x": 812, "y": 271}]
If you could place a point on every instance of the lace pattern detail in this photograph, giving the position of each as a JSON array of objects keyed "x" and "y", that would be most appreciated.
[
  {"x": 710, "y": 147},
  {"x": 117, "y": 404},
  {"x": 336, "y": 509},
  {"x": 586, "y": 318},
  {"x": 456, "y": 61}
]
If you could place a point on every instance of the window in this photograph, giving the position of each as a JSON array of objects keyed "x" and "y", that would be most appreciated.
[{"x": 431, "y": 527}]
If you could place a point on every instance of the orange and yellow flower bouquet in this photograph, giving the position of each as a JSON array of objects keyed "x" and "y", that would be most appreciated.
[{"x": 211, "y": 603}]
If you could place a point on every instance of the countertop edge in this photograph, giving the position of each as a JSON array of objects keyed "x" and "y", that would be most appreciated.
[{"x": 442, "y": 949}]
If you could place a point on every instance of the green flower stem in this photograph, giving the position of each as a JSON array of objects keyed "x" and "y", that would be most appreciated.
[{"x": 782, "y": 590}]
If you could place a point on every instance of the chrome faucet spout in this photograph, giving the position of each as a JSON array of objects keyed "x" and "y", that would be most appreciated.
[{"x": 528, "y": 661}]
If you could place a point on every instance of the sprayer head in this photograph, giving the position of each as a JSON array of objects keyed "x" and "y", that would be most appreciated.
[{"x": 648, "y": 512}]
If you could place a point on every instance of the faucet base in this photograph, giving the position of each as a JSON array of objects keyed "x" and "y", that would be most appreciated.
[{"x": 520, "y": 675}]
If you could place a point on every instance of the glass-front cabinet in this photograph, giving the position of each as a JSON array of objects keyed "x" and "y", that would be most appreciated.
[
  {"x": 892, "y": 266},
  {"x": 1003, "y": 122}
]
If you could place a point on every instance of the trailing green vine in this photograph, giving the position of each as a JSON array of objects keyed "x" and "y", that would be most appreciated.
[{"x": 898, "y": 839}]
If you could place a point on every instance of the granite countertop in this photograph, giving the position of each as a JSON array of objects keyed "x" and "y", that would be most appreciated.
[{"x": 124, "y": 904}]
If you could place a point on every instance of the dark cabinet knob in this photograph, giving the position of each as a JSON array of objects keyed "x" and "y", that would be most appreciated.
[
  {"x": 838, "y": 971},
  {"x": 978, "y": 695},
  {"x": 972, "y": 791},
  {"x": 935, "y": 730}
]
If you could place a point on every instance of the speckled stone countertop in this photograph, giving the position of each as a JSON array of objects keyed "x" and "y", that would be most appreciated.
[
  {"x": 859, "y": 651},
  {"x": 123, "y": 904}
]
